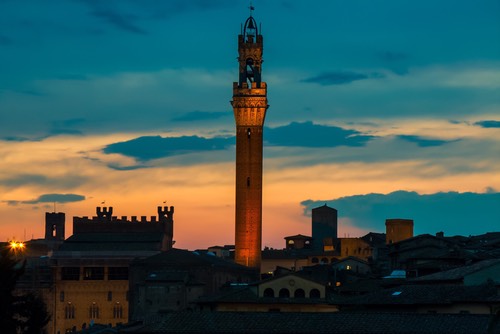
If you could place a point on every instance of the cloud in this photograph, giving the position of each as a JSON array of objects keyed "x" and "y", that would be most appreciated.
[
  {"x": 200, "y": 116},
  {"x": 4, "y": 40},
  {"x": 452, "y": 212},
  {"x": 341, "y": 78},
  {"x": 295, "y": 134},
  {"x": 154, "y": 147},
  {"x": 65, "y": 181},
  {"x": 51, "y": 198},
  {"x": 390, "y": 56},
  {"x": 488, "y": 124},
  {"x": 69, "y": 76},
  {"x": 422, "y": 141},
  {"x": 307, "y": 134},
  {"x": 395, "y": 61},
  {"x": 120, "y": 21}
]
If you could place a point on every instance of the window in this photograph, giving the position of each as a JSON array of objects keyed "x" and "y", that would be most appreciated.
[
  {"x": 93, "y": 273},
  {"x": 314, "y": 260},
  {"x": 284, "y": 293},
  {"x": 61, "y": 296},
  {"x": 117, "y": 273},
  {"x": 299, "y": 293},
  {"x": 314, "y": 293},
  {"x": 70, "y": 273},
  {"x": 269, "y": 293},
  {"x": 110, "y": 296},
  {"x": 249, "y": 132},
  {"x": 69, "y": 311},
  {"x": 117, "y": 311},
  {"x": 94, "y": 311}
]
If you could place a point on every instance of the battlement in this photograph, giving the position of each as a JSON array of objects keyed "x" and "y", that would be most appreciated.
[{"x": 105, "y": 222}]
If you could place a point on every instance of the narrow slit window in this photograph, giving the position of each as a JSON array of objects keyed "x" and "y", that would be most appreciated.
[
  {"x": 248, "y": 181},
  {"x": 249, "y": 132}
]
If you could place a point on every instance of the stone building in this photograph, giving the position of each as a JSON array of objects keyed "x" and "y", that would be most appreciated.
[{"x": 91, "y": 268}]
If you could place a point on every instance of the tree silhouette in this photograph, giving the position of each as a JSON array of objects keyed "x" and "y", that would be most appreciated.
[{"x": 26, "y": 313}]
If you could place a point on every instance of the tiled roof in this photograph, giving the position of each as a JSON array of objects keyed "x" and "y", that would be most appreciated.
[
  {"x": 424, "y": 295},
  {"x": 112, "y": 241},
  {"x": 458, "y": 273},
  {"x": 185, "y": 258},
  {"x": 339, "y": 323}
]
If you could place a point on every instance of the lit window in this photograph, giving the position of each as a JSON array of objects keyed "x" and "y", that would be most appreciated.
[{"x": 348, "y": 267}]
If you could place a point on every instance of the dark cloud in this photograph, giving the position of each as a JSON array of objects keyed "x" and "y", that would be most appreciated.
[
  {"x": 119, "y": 20},
  {"x": 72, "y": 77},
  {"x": 488, "y": 124},
  {"x": 201, "y": 116},
  {"x": 125, "y": 168},
  {"x": 63, "y": 182},
  {"x": 307, "y": 134},
  {"x": 154, "y": 147},
  {"x": 341, "y": 78},
  {"x": 390, "y": 56},
  {"x": 451, "y": 212},
  {"x": 395, "y": 61},
  {"x": 422, "y": 141},
  {"x": 15, "y": 138},
  {"x": 4, "y": 40},
  {"x": 304, "y": 134},
  {"x": 51, "y": 198}
]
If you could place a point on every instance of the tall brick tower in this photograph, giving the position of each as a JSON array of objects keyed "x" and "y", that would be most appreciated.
[{"x": 249, "y": 106}]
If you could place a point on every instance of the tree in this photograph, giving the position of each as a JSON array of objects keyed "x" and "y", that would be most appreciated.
[
  {"x": 25, "y": 314},
  {"x": 10, "y": 271}
]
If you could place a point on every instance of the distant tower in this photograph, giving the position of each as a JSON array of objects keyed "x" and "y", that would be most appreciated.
[
  {"x": 54, "y": 225},
  {"x": 398, "y": 229},
  {"x": 324, "y": 225},
  {"x": 249, "y": 106}
]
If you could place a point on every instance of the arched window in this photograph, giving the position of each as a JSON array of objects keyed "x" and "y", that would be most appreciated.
[
  {"x": 284, "y": 293},
  {"x": 69, "y": 311},
  {"x": 314, "y": 293},
  {"x": 291, "y": 242},
  {"x": 117, "y": 311},
  {"x": 269, "y": 293},
  {"x": 314, "y": 260},
  {"x": 299, "y": 293},
  {"x": 94, "y": 311},
  {"x": 249, "y": 132},
  {"x": 324, "y": 260}
]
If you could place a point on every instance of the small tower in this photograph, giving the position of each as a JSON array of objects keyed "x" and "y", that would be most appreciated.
[
  {"x": 54, "y": 225},
  {"x": 324, "y": 225},
  {"x": 249, "y": 106},
  {"x": 166, "y": 217},
  {"x": 398, "y": 229}
]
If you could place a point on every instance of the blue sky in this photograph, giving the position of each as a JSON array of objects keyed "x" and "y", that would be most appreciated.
[{"x": 112, "y": 100}]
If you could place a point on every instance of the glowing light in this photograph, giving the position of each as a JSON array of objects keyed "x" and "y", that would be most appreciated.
[{"x": 17, "y": 246}]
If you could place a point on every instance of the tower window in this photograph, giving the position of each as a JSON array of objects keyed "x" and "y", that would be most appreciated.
[
  {"x": 249, "y": 132},
  {"x": 248, "y": 181},
  {"x": 54, "y": 231}
]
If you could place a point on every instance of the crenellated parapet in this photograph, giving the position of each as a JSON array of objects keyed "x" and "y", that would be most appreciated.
[{"x": 105, "y": 222}]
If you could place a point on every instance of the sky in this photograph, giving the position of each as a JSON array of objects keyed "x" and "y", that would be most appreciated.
[{"x": 380, "y": 109}]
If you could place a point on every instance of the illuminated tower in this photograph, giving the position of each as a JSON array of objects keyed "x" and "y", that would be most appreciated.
[{"x": 249, "y": 106}]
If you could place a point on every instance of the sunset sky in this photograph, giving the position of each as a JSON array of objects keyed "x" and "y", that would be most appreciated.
[{"x": 380, "y": 109}]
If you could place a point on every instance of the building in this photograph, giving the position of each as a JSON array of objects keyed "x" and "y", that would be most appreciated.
[
  {"x": 174, "y": 280},
  {"x": 90, "y": 269},
  {"x": 324, "y": 227},
  {"x": 249, "y": 106}
]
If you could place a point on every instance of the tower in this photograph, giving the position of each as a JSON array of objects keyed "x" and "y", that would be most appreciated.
[
  {"x": 54, "y": 225},
  {"x": 324, "y": 225},
  {"x": 249, "y": 106},
  {"x": 398, "y": 229}
]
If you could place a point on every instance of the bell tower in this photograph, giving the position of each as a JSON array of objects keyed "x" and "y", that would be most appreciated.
[{"x": 249, "y": 106}]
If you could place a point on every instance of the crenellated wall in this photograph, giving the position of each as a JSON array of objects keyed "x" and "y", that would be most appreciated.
[{"x": 105, "y": 222}]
